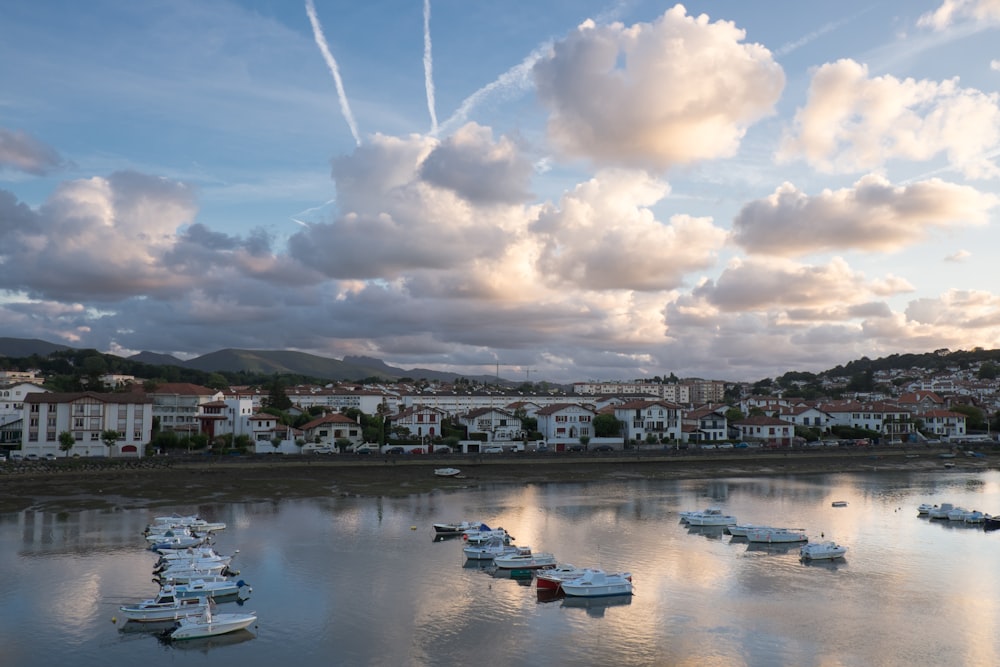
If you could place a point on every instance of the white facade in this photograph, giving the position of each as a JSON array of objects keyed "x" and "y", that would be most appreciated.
[
  {"x": 87, "y": 415},
  {"x": 643, "y": 420},
  {"x": 563, "y": 425}
]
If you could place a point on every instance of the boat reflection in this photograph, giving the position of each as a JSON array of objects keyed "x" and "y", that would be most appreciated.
[
  {"x": 596, "y": 607},
  {"x": 205, "y": 644}
]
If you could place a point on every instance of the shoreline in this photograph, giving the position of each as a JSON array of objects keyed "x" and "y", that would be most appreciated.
[{"x": 153, "y": 482}]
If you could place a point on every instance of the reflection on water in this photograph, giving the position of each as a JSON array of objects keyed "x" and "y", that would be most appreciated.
[{"x": 346, "y": 580}]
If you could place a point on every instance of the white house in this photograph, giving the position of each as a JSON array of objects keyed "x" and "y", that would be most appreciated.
[
  {"x": 648, "y": 421},
  {"x": 325, "y": 431},
  {"x": 87, "y": 415},
  {"x": 419, "y": 420},
  {"x": 771, "y": 431},
  {"x": 563, "y": 424},
  {"x": 705, "y": 424},
  {"x": 498, "y": 425},
  {"x": 178, "y": 405}
]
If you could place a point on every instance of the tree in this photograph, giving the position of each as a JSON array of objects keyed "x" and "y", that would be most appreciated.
[
  {"x": 606, "y": 426},
  {"x": 276, "y": 442},
  {"x": 66, "y": 441},
  {"x": 276, "y": 397},
  {"x": 109, "y": 438},
  {"x": 988, "y": 371}
]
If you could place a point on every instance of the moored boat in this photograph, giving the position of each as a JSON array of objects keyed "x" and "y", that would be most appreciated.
[
  {"x": 447, "y": 472},
  {"x": 164, "y": 607},
  {"x": 711, "y": 519},
  {"x": 525, "y": 559},
  {"x": 991, "y": 522},
  {"x": 211, "y": 587},
  {"x": 598, "y": 583},
  {"x": 822, "y": 551},
  {"x": 924, "y": 508},
  {"x": 455, "y": 528},
  {"x": 489, "y": 550},
  {"x": 940, "y": 511},
  {"x": 777, "y": 535},
  {"x": 209, "y": 624},
  {"x": 551, "y": 579},
  {"x": 741, "y": 529}
]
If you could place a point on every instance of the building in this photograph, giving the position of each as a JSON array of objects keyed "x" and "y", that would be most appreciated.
[
  {"x": 87, "y": 416},
  {"x": 177, "y": 405},
  {"x": 497, "y": 425},
  {"x": 650, "y": 421},
  {"x": 770, "y": 431},
  {"x": 325, "y": 431},
  {"x": 563, "y": 424}
]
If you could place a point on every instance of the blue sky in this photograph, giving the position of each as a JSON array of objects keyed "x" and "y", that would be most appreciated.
[{"x": 573, "y": 190}]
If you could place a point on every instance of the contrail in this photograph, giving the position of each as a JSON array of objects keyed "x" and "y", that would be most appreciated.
[
  {"x": 345, "y": 108},
  {"x": 429, "y": 67},
  {"x": 511, "y": 82}
]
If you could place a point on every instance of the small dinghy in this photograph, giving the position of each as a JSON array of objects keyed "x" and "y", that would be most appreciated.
[{"x": 209, "y": 624}]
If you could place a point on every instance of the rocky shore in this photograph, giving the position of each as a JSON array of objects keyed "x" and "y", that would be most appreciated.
[{"x": 66, "y": 485}]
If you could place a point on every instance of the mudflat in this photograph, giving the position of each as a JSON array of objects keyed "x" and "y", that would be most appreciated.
[{"x": 68, "y": 485}]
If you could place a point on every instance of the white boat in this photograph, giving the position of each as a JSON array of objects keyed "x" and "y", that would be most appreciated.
[
  {"x": 164, "y": 607},
  {"x": 210, "y": 587},
  {"x": 488, "y": 551},
  {"x": 191, "y": 553},
  {"x": 191, "y": 521},
  {"x": 484, "y": 536},
  {"x": 174, "y": 541},
  {"x": 741, "y": 529},
  {"x": 924, "y": 508},
  {"x": 524, "y": 559},
  {"x": 181, "y": 573},
  {"x": 957, "y": 514},
  {"x": 686, "y": 516},
  {"x": 598, "y": 583},
  {"x": 209, "y": 624},
  {"x": 822, "y": 551},
  {"x": 940, "y": 511},
  {"x": 192, "y": 561},
  {"x": 447, "y": 472},
  {"x": 975, "y": 516},
  {"x": 776, "y": 535},
  {"x": 712, "y": 519}
]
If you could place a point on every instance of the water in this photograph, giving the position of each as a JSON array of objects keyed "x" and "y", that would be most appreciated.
[{"x": 353, "y": 581}]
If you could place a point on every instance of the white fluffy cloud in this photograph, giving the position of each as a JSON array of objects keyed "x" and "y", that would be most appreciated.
[
  {"x": 604, "y": 236},
  {"x": 855, "y": 122},
  {"x": 658, "y": 94},
  {"x": 873, "y": 215},
  {"x": 952, "y": 11}
]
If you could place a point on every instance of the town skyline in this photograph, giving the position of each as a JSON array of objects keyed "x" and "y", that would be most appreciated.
[{"x": 568, "y": 190}]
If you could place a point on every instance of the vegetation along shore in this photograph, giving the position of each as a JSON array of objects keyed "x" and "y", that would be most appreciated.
[{"x": 74, "y": 484}]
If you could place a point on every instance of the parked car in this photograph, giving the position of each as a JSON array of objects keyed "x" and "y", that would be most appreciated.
[
  {"x": 576, "y": 448},
  {"x": 395, "y": 450},
  {"x": 31, "y": 457},
  {"x": 50, "y": 457},
  {"x": 493, "y": 450},
  {"x": 603, "y": 448},
  {"x": 442, "y": 449},
  {"x": 3, "y": 458}
]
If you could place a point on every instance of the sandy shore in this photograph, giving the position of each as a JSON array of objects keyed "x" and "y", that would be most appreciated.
[{"x": 69, "y": 485}]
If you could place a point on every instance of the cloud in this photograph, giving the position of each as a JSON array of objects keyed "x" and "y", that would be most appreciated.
[
  {"x": 854, "y": 122},
  {"x": 955, "y": 310},
  {"x": 654, "y": 95},
  {"x": 477, "y": 168},
  {"x": 872, "y": 216},
  {"x": 98, "y": 238},
  {"x": 952, "y": 11},
  {"x": 603, "y": 235},
  {"x": 25, "y": 153},
  {"x": 958, "y": 256},
  {"x": 754, "y": 284},
  {"x": 405, "y": 205}
]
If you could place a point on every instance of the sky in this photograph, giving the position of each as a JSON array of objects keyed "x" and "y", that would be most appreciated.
[{"x": 559, "y": 190}]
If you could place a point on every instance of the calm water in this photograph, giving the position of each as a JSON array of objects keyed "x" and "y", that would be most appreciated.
[{"x": 351, "y": 582}]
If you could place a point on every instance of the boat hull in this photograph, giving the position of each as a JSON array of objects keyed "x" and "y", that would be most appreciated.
[
  {"x": 220, "y": 624},
  {"x": 157, "y": 613}
]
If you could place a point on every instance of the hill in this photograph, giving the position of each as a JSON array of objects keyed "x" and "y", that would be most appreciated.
[{"x": 25, "y": 347}]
